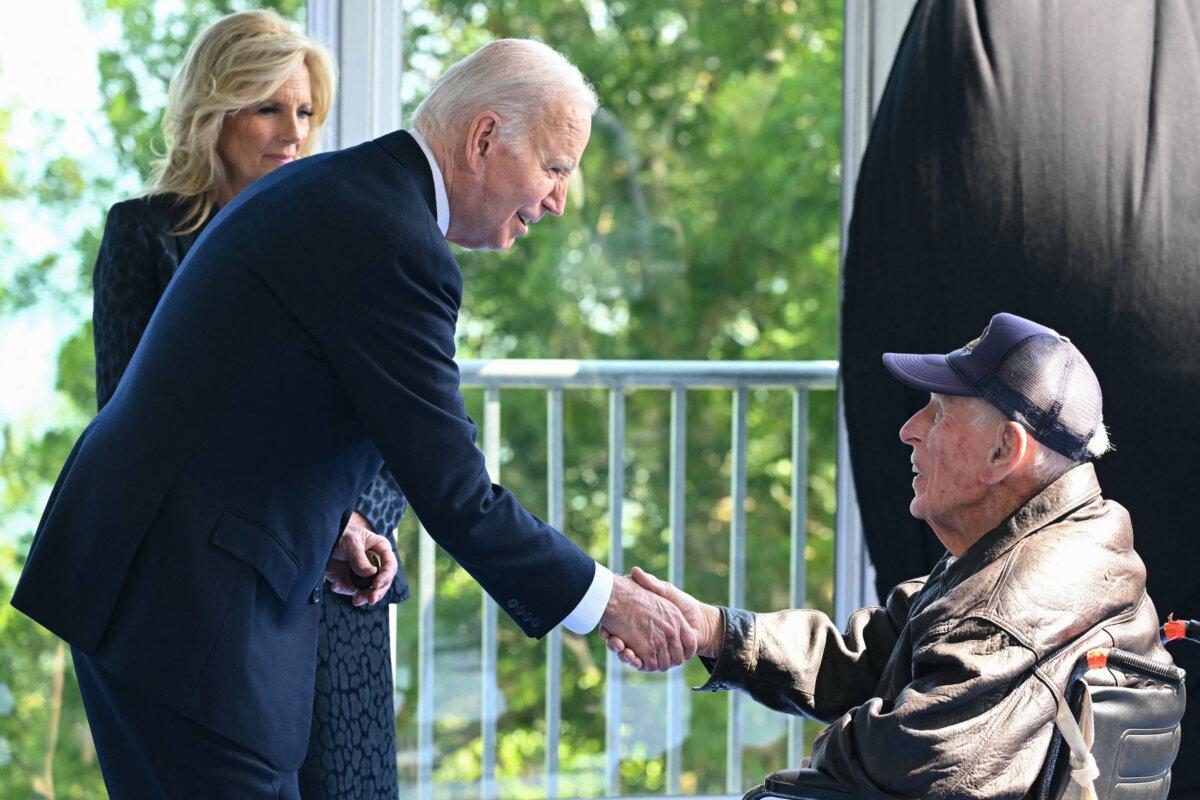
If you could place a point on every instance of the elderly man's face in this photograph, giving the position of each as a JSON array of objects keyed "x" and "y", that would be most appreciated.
[
  {"x": 949, "y": 457},
  {"x": 511, "y": 191}
]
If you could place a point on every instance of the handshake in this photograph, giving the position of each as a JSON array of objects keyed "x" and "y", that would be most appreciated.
[{"x": 652, "y": 625}]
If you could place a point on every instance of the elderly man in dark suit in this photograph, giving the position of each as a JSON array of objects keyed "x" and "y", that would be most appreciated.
[{"x": 307, "y": 340}]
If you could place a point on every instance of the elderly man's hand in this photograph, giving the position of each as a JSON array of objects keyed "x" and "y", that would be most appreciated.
[
  {"x": 654, "y": 632},
  {"x": 349, "y": 559},
  {"x": 701, "y": 617}
]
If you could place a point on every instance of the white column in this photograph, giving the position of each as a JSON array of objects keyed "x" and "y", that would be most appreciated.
[
  {"x": 366, "y": 39},
  {"x": 872, "y": 33}
]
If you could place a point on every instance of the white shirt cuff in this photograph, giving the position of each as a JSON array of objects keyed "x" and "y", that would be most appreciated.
[{"x": 586, "y": 615}]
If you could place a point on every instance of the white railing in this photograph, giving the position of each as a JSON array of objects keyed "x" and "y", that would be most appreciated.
[{"x": 620, "y": 378}]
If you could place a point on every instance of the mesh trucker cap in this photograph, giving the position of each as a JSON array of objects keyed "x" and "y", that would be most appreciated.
[{"x": 1032, "y": 374}]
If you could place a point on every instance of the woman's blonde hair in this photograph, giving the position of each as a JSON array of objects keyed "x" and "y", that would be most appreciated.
[{"x": 239, "y": 60}]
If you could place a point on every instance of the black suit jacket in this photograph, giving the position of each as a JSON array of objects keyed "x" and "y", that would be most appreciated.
[
  {"x": 139, "y": 256},
  {"x": 307, "y": 339}
]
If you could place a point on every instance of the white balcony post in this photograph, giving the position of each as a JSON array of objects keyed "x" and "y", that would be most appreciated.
[
  {"x": 366, "y": 39},
  {"x": 872, "y": 33}
]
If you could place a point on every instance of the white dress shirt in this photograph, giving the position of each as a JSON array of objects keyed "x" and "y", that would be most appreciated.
[{"x": 586, "y": 615}]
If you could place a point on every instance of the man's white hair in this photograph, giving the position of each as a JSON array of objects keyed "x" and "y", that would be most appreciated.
[
  {"x": 515, "y": 78},
  {"x": 1047, "y": 464}
]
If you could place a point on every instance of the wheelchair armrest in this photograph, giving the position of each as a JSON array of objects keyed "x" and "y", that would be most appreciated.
[{"x": 800, "y": 784}]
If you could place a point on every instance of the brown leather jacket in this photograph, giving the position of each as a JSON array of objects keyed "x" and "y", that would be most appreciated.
[{"x": 944, "y": 692}]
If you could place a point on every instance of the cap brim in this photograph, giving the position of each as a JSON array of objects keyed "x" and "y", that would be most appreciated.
[{"x": 930, "y": 373}]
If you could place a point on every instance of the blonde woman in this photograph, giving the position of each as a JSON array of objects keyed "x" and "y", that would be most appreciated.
[{"x": 252, "y": 96}]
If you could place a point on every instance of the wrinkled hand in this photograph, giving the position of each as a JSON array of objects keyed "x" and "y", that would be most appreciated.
[
  {"x": 704, "y": 619},
  {"x": 349, "y": 558},
  {"x": 652, "y": 630}
]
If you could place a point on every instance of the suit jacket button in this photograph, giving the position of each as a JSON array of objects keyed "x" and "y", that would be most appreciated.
[
  {"x": 512, "y": 603},
  {"x": 315, "y": 597},
  {"x": 527, "y": 616}
]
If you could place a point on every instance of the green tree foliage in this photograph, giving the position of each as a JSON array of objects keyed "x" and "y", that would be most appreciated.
[
  {"x": 703, "y": 225},
  {"x": 45, "y": 747}
]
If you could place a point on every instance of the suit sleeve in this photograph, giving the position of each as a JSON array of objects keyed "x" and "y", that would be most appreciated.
[
  {"x": 391, "y": 345},
  {"x": 382, "y": 504},
  {"x": 126, "y": 289}
]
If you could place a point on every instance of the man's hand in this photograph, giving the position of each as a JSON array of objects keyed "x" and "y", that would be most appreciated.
[
  {"x": 654, "y": 634},
  {"x": 349, "y": 558},
  {"x": 704, "y": 619}
]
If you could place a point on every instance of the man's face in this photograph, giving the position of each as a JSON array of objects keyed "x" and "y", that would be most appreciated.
[
  {"x": 510, "y": 192},
  {"x": 949, "y": 457}
]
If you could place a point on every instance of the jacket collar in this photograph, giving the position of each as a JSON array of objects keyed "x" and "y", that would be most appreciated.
[
  {"x": 439, "y": 183},
  {"x": 1073, "y": 489},
  {"x": 401, "y": 146}
]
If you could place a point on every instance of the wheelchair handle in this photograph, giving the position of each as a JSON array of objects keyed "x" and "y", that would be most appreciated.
[
  {"x": 1174, "y": 629},
  {"x": 1102, "y": 657}
]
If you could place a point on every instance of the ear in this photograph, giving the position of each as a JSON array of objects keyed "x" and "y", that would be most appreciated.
[
  {"x": 1008, "y": 452},
  {"x": 482, "y": 138}
]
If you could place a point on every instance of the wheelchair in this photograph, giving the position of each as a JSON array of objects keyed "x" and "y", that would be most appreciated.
[{"x": 1135, "y": 727}]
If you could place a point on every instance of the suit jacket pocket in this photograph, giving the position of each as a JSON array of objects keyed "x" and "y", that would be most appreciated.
[{"x": 253, "y": 544}]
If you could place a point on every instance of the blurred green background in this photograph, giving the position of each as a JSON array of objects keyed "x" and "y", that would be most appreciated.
[{"x": 704, "y": 226}]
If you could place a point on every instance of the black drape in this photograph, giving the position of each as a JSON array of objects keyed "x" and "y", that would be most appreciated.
[{"x": 1041, "y": 158}]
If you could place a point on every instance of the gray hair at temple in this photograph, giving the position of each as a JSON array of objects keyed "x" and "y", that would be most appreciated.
[
  {"x": 515, "y": 78},
  {"x": 1047, "y": 464}
]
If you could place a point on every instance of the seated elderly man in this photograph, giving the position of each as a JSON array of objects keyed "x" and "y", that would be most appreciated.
[{"x": 950, "y": 689}]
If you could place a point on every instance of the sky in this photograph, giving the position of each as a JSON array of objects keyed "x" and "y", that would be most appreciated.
[{"x": 47, "y": 67}]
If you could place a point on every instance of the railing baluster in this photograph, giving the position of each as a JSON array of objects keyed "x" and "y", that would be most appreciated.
[
  {"x": 675, "y": 731},
  {"x": 425, "y": 660},
  {"x": 393, "y": 648},
  {"x": 614, "y": 678},
  {"x": 853, "y": 576},
  {"x": 488, "y": 646},
  {"x": 737, "y": 572},
  {"x": 798, "y": 591},
  {"x": 556, "y": 517}
]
